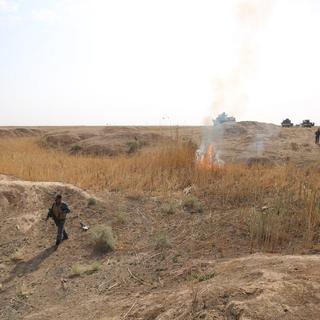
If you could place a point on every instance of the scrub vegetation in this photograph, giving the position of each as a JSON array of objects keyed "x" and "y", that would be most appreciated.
[{"x": 290, "y": 193}]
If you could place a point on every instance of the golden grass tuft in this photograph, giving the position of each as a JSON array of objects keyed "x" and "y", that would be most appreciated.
[
  {"x": 101, "y": 237},
  {"x": 78, "y": 269}
]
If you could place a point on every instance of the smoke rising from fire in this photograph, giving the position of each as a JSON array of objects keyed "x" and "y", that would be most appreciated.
[{"x": 231, "y": 87}]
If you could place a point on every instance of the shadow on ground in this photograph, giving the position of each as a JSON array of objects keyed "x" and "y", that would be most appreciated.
[{"x": 25, "y": 267}]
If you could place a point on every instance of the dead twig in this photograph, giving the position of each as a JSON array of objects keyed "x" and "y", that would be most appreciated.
[
  {"x": 104, "y": 285},
  {"x": 134, "y": 277},
  {"x": 125, "y": 316},
  {"x": 114, "y": 285}
]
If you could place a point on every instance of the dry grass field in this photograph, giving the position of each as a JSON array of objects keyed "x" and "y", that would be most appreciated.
[
  {"x": 180, "y": 231},
  {"x": 288, "y": 194}
]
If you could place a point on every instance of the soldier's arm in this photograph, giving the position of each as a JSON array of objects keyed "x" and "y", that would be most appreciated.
[{"x": 50, "y": 214}]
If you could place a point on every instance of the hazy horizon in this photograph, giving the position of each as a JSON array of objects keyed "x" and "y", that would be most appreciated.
[{"x": 81, "y": 62}]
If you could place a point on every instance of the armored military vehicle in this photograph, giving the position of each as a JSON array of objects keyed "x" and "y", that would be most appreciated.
[
  {"x": 223, "y": 118},
  {"x": 286, "y": 123},
  {"x": 307, "y": 124}
]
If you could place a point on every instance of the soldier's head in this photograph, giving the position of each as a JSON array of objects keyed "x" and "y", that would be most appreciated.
[{"x": 58, "y": 198}]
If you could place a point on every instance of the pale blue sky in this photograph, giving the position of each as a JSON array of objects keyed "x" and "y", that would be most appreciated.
[{"x": 158, "y": 62}]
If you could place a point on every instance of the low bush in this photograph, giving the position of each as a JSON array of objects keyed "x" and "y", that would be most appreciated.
[
  {"x": 169, "y": 207},
  {"x": 92, "y": 202},
  {"x": 102, "y": 238},
  {"x": 192, "y": 204}
]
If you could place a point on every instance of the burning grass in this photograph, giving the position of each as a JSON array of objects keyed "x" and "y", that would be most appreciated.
[{"x": 291, "y": 193}]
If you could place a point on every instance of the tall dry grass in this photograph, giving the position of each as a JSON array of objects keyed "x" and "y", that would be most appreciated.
[
  {"x": 165, "y": 168},
  {"x": 291, "y": 193}
]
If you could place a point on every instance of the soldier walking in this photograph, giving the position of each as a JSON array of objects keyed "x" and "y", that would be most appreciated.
[{"x": 58, "y": 212}]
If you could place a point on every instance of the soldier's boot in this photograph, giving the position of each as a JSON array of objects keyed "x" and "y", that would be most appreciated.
[{"x": 65, "y": 236}]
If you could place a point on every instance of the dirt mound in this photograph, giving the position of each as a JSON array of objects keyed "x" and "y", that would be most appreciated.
[
  {"x": 254, "y": 287},
  {"x": 19, "y": 132},
  {"x": 60, "y": 139},
  {"x": 107, "y": 141},
  {"x": 248, "y": 140},
  {"x": 173, "y": 265},
  {"x": 235, "y": 142},
  {"x": 23, "y": 204}
]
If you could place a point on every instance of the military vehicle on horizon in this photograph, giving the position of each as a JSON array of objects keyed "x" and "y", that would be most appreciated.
[
  {"x": 307, "y": 124},
  {"x": 286, "y": 123},
  {"x": 223, "y": 118}
]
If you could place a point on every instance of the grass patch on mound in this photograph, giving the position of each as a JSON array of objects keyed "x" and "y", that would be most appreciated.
[
  {"x": 17, "y": 256},
  {"x": 204, "y": 276},
  {"x": 102, "y": 238},
  {"x": 92, "y": 202},
  {"x": 79, "y": 269},
  {"x": 169, "y": 207},
  {"x": 121, "y": 218},
  {"x": 192, "y": 204},
  {"x": 162, "y": 241}
]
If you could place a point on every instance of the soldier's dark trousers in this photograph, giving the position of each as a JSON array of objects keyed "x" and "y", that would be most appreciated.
[{"x": 61, "y": 232}]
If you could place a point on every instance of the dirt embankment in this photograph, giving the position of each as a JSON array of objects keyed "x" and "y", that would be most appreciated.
[
  {"x": 166, "y": 265},
  {"x": 19, "y": 132},
  {"x": 242, "y": 142}
]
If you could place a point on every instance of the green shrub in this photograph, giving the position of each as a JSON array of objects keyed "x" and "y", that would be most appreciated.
[
  {"x": 92, "y": 202},
  {"x": 192, "y": 204},
  {"x": 102, "y": 238}
]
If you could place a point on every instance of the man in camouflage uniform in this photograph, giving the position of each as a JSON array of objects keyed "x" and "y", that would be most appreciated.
[
  {"x": 317, "y": 134},
  {"x": 58, "y": 212}
]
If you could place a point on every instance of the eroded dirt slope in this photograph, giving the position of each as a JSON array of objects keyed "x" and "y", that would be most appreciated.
[{"x": 202, "y": 270}]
